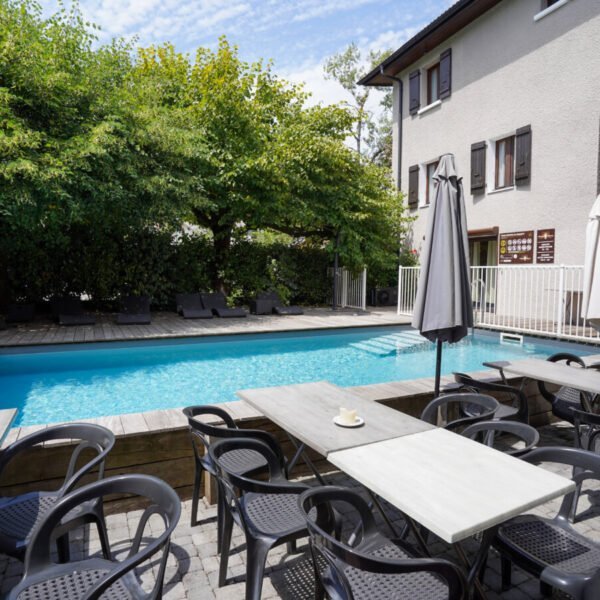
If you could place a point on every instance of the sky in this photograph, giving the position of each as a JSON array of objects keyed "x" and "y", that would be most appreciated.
[{"x": 298, "y": 35}]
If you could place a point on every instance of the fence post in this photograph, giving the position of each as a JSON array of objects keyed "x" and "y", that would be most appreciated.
[
  {"x": 363, "y": 299},
  {"x": 560, "y": 304},
  {"x": 400, "y": 285},
  {"x": 344, "y": 301}
]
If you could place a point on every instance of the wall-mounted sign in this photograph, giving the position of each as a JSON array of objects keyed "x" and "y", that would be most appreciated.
[
  {"x": 515, "y": 248},
  {"x": 545, "y": 246}
]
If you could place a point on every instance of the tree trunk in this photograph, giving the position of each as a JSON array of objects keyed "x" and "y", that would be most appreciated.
[{"x": 222, "y": 248}]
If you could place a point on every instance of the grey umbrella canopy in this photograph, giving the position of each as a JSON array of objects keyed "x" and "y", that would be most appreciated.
[{"x": 443, "y": 309}]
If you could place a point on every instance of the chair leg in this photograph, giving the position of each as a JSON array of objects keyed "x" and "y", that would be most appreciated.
[
  {"x": 225, "y": 547},
  {"x": 103, "y": 535},
  {"x": 506, "y": 572},
  {"x": 573, "y": 511},
  {"x": 196, "y": 495},
  {"x": 256, "y": 557},
  {"x": 221, "y": 510},
  {"x": 62, "y": 547}
]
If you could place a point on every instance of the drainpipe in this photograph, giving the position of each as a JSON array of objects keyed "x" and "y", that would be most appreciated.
[{"x": 401, "y": 94}]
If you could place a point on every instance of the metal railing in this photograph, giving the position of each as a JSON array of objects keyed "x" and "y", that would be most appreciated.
[
  {"x": 539, "y": 299},
  {"x": 351, "y": 290}
]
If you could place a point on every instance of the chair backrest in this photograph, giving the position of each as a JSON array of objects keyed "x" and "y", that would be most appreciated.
[
  {"x": 569, "y": 360},
  {"x": 518, "y": 397},
  {"x": 135, "y": 305},
  {"x": 586, "y": 465},
  {"x": 213, "y": 300},
  {"x": 486, "y": 431},
  {"x": 192, "y": 300},
  {"x": 66, "y": 305},
  {"x": 89, "y": 436},
  {"x": 587, "y": 429},
  {"x": 325, "y": 530},
  {"x": 271, "y": 295},
  {"x": 163, "y": 502},
  {"x": 204, "y": 434},
  {"x": 471, "y": 407}
]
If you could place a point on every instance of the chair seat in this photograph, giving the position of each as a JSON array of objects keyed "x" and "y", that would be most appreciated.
[
  {"x": 411, "y": 586},
  {"x": 196, "y": 313},
  {"x": 546, "y": 544},
  {"x": 274, "y": 514},
  {"x": 73, "y": 580},
  {"x": 20, "y": 515},
  {"x": 228, "y": 313},
  {"x": 506, "y": 412},
  {"x": 287, "y": 310},
  {"x": 243, "y": 461}
]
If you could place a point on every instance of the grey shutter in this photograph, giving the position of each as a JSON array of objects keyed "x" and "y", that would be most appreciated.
[
  {"x": 446, "y": 73},
  {"x": 478, "y": 168},
  {"x": 413, "y": 186},
  {"x": 523, "y": 156},
  {"x": 414, "y": 90}
]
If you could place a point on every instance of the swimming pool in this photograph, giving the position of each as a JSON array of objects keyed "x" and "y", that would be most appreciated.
[{"x": 62, "y": 383}]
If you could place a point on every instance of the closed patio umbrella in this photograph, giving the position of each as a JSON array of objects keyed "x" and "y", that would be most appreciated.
[
  {"x": 590, "y": 309},
  {"x": 443, "y": 309}
]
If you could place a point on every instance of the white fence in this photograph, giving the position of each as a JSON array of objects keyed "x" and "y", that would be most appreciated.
[
  {"x": 351, "y": 290},
  {"x": 540, "y": 299}
]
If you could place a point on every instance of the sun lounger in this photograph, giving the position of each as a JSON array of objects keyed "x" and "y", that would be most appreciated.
[
  {"x": 68, "y": 310},
  {"x": 217, "y": 303},
  {"x": 267, "y": 303},
  {"x": 190, "y": 306},
  {"x": 135, "y": 310},
  {"x": 20, "y": 312}
]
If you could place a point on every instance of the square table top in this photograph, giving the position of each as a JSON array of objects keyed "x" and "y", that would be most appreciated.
[
  {"x": 587, "y": 380},
  {"x": 452, "y": 485},
  {"x": 7, "y": 417},
  {"x": 306, "y": 411}
]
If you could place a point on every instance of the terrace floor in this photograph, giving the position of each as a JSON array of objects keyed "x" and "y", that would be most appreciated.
[
  {"x": 193, "y": 565},
  {"x": 171, "y": 325}
]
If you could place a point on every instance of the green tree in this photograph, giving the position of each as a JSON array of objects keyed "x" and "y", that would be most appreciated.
[{"x": 373, "y": 138}]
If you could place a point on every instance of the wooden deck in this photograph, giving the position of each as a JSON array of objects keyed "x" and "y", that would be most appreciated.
[{"x": 171, "y": 325}]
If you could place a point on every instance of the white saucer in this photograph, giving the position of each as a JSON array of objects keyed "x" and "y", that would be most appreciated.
[{"x": 359, "y": 421}]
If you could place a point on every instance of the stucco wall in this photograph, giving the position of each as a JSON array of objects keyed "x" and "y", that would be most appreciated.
[{"x": 507, "y": 72}]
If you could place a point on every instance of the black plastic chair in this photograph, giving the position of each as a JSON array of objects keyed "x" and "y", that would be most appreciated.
[
  {"x": 565, "y": 398},
  {"x": 486, "y": 432},
  {"x": 242, "y": 462},
  {"x": 517, "y": 411},
  {"x": 68, "y": 310},
  {"x": 20, "y": 515},
  {"x": 370, "y": 565},
  {"x": 99, "y": 577},
  {"x": 267, "y": 303},
  {"x": 551, "y": 549},
  {"x": 266, "y": 511},
  {"x": 470, "y": 408}
]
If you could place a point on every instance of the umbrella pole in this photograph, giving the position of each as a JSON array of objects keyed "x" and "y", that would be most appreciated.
[{"x": 438, "y": 368}]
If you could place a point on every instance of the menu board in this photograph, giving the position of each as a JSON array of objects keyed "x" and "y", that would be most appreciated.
[
  {"x": 515, "y": 248},
  {"x": 545, "y": 246}
]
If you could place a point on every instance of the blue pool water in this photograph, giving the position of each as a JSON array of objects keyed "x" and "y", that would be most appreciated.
[{"x": 64, "y": 383}]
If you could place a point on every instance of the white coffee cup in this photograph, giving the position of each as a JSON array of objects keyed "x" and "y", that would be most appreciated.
[{"x": 347, "y": 416}]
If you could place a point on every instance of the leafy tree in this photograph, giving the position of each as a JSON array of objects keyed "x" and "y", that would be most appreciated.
[{"x": 372, "y": 138}]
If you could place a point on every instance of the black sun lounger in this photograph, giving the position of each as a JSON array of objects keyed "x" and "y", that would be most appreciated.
[
  {"x": 190, "y": 306},
  {"x": 267, "y": 303},
  {"x": 68, "y": 310},
  {"x": 135, "y": 310},
  {"x": 217, "y": 302},
  {"x": 20, "y": 312}
]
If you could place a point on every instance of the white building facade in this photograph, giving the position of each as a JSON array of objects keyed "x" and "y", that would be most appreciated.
[{"x": 512, "y": 89}]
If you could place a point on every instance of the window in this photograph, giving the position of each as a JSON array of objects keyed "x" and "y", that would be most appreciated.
[
  {"x": 505, "y": 161},
  {"x": 430, "y": 183},
  {"x": 433, "y": 83}
]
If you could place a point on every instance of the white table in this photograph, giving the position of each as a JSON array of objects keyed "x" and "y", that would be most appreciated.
[
  {"x": 586, "y": 380},
  {"x": 7, "y": 417},
  {"x": 451, "y": 485}
]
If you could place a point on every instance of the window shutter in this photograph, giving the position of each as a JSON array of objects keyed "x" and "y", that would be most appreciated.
[
  {"x": 446, "y": 73},
  {"x": 523, "y": 156},
  {"x": 478, "y": 168},
  {"x": 413, "y": 186},
  {"x": 414, "y": 90}
]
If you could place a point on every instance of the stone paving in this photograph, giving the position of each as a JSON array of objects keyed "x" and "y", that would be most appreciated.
[{"x": 192, "y": 571}]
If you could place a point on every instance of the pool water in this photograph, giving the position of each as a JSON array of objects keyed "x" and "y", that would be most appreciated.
[{"x": 62, "y": 383}]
